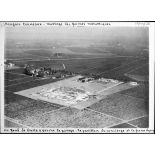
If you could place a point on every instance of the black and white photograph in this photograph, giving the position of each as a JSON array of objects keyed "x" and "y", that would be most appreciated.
[{"x": 77, "y": 77}]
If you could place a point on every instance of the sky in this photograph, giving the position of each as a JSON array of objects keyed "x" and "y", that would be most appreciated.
[{"x": 96, "y": 33}]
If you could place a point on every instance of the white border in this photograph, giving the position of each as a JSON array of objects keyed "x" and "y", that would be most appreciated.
[
  {"x": 151, "y": 74},
  {"x": 1, "y": 76},
  {"x": 101, "y": 24}
]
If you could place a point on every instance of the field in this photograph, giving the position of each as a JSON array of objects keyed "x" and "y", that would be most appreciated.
[
  {"x": 123, "y": 105},
  {"x": 80, "y": 65},
  {"x": 139, "y": 73},
  {"x": 9, "y": 76},
  {"x": 142, "y": 70}
]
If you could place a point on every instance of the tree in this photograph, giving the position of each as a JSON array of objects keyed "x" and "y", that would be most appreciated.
[{"x": 41, "y": 74}]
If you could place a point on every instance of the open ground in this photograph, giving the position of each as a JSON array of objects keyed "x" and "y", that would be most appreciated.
[
  {"x": 120, "y": 105},
  {"x": 119, "y": 109},
  {"x": 73, "y": 93}
]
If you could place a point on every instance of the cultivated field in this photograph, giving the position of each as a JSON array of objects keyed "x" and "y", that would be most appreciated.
[{"x": 123, "y": 105}]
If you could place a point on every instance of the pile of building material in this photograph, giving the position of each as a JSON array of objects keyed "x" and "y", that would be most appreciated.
[{"x": 66, "y": 94}]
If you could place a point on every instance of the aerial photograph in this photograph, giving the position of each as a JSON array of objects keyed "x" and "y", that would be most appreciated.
[{"x": 85, "y": 77}]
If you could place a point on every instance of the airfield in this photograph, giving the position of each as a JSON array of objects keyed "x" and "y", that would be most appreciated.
[{"x": 119, "y": 105}]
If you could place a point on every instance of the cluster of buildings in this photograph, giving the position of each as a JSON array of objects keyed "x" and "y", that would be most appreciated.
[
  {"x": 97, "y": 79},
  {"x": 85, "y": 79},
  {"x": 46, "y": 72},
  {"x": 8, "y": 64}
]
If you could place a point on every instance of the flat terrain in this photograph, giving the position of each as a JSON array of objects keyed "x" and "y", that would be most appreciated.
[
  {"x": 68, "y": 92},
  {"x": 118, "y": 109}
]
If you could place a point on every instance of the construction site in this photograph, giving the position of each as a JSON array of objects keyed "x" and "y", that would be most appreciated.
[{"x": 77, "y": 91}]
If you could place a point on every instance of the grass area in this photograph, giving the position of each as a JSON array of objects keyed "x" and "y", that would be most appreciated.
[
  {"x": 31, "y": 84},
  {"x": 141, "y": 91},
  {"x": 121, "y": 106},
  {"x": 9, "y": 54},
  {"x": 18, "y": 70},
  {"x": 108, "y": 65},
  {"x": 18, "y": 81},
  {"x": 18, "y": 101},
  {"x": 18, "y": 106},
  {"x": 99, "y": 65},
  {"x": 10, "y": 97},
  {"x": 119, "y": 72},
  {"x": 72, "y": 62},
  {"x": 143, "y": 71},
  {"x": 90, "y": 50},
  {"x": 9, "y": 76},
  {"x": 103, "y": 64}
]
